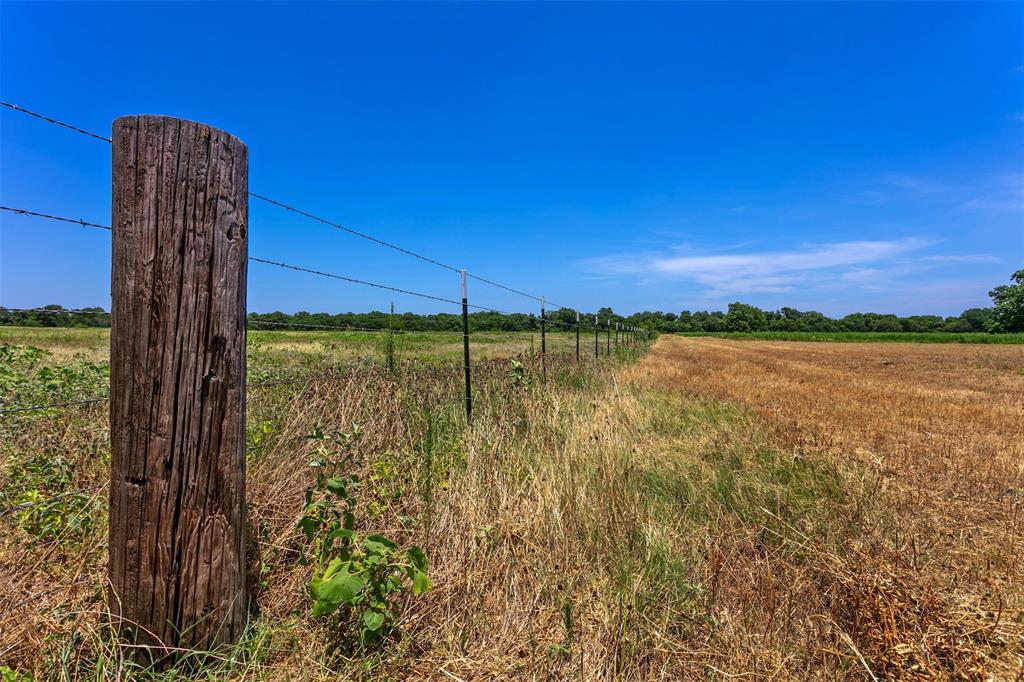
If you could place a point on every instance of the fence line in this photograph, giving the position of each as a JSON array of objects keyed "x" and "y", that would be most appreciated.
[
  {"x": 464, "y": 303},
  {"x": 37, "y": 408},
  {"x": 299, "y": 268},
  {"x": 48, "y": 500},
  {"x": 215, "y": 357},
  {"x": 102, "y": 399},
  {"x": 298, "y": 211},
  {"x": 22, "y": 211}
]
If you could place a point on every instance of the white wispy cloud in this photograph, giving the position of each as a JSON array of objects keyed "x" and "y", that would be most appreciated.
[
  {"x": 912, "y": 183},
  {"x": 1006, "y": 195},
  {"x": 849, "y": 263}
]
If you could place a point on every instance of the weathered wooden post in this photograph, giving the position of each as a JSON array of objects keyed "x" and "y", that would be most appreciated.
[{"x": 177, "y": 395}]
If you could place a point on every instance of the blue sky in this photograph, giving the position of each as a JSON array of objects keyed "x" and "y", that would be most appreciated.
[{"x": 837, "y": 157}]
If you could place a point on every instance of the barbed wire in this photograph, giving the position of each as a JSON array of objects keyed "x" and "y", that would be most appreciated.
[
  {"x": 267, "y": 261},
  {"x": 48, "y": 406},
  {"x": 83, "y": 223},
  {"x": 353, "y": 280},
  {"x": 102, "y": 399},
  {"x": 338, "y": 327},
  {"x": 279, "y": 382},
  {"x": 49, "y": 500},
  {"x": 54, "y": 121},
  {"x": 357, "y": 233},
  {"x": 301, "y": 212}
]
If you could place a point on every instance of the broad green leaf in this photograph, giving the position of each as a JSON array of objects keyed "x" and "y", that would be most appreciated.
[
  {"x": 332, "y": 568},
  {"x": 418, "y": 558},
  {"x": 340, "y": 533},
  {"x": 342, "y": 588},
  {"x": 308, "y": 526},
  {"x": 338, "y": 486},
  {"x": 420, "y": 582},
  {"x": 373, "y": 620},
  {"x": 378, "y": 544}
]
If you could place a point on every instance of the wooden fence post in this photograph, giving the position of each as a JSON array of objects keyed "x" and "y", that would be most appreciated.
[{"x": 177, "y": 396}]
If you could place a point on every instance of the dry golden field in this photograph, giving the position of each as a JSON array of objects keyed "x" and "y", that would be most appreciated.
[
  {"x": 932, "y": 583},
  {"x": 706, "y": 510}
]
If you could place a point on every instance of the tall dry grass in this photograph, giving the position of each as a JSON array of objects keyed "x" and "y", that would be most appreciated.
[
  {"x": 931, "y": 586},
  {"x": 612, "y": 523}
]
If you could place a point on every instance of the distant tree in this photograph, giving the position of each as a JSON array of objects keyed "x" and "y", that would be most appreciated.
[
  {"x": 922, "y": 323},
  {"x": 974, "y": 320},
  {"x": 1008, "y": 315},
  {"x": 745, "y": 318},
  {"x": 956, "y": 325}
]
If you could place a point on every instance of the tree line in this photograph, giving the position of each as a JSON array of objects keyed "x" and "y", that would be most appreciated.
[
  {"x": 1006, "y": 315},
  {"x": 740, "y": 317}
]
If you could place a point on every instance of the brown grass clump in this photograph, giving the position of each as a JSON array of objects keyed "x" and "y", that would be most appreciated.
[{"x": 931, "y": 585}]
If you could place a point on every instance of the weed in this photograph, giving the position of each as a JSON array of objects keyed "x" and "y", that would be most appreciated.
[{"x": 360, "y": 577}]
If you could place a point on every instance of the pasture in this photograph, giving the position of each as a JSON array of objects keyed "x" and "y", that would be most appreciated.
[{"x": 703, "y": 508}]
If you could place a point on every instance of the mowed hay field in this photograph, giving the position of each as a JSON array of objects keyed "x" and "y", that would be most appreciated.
[
  {"x": 926, "y": 579},
  {"x": 706, "y": 509}
]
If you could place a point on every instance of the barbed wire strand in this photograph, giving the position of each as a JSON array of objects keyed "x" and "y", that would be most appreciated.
[
  {"x": 36, "y": 408},
  {"x": 49, "y": 500},
  {"x": 301, "y": 212},
  {"x": 83, "y": 223},
  {"x": 54, "y": 121},
  {"x": 353, "y": 280},
  {"x": 357, "y": 233},
  {"x": 103, "y": 399},
  {"x": 279, "y": 264},
  {"x": 337, "y": 327}
]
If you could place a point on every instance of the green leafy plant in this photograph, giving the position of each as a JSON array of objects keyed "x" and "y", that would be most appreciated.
[
  {"x": 37, "y": 487},
  {"x": 16, "y": 365},
  {"x": 517, "y": 372},
  {"x": 9, "y": 675},
  {"x": 564, "y": 648},
  {"x": 61, "y": 517},
  {"x": 358, "y": 577}
]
